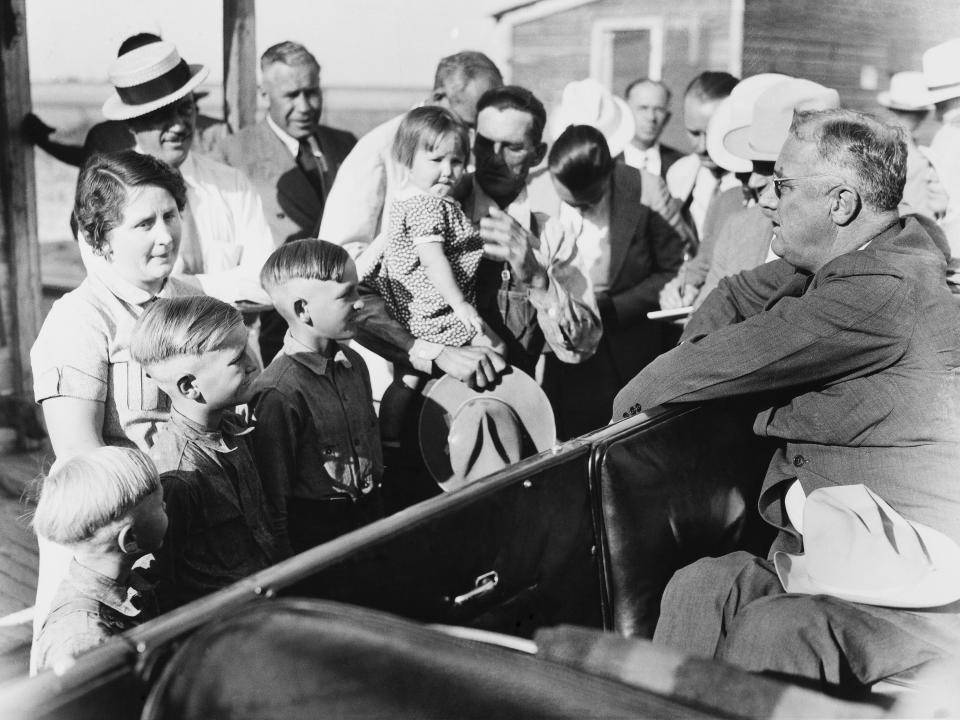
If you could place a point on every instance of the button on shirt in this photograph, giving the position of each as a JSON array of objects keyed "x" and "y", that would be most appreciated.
[
  {"x": 87, "y": 610},
  {"x": 219, "y": 526},
  {"x": 316, "y": 433}
]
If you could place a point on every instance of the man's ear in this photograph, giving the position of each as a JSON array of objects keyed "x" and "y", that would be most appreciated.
[
  {"x": 539, "y": 153},
  {"x": 127, "y": 538},
  {"x": 302, "y": 311},
  {"x": 846, "y": 205},
  {"x": 187, "y": 386}
]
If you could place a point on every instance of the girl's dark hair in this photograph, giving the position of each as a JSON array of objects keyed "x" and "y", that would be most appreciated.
[
  {"x": 580, "y": 158},
  {"x": 103, "y": 188}
]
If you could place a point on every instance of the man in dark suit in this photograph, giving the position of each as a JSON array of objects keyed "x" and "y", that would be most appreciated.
[
  {"x": 849, "y": 348},
  {"x": 630, "y": 251},
  {"x": 650, "y": 102},
  {"x": 289, "y": 156}
]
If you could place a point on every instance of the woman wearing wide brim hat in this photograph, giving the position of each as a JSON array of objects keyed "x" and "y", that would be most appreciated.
[
  {"x": 467, "y": 434},
  {"x": 149, "y": 78}
]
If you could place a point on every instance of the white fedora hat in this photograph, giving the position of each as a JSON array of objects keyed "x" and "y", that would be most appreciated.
[
  {"x": 941, "y": 70},
  {"x": 858, "y": 548},
  {"x": 148, "y": 78},
  {"x": 736, "y": 111},
  {"x": 772, "y": 115},
  {"x": 587, "y": 102},
  {"x": 908, "y": 91}
]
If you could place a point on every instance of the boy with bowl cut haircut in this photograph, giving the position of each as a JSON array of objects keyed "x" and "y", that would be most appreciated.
[
  {"x": 106, "y": 505},
  {"x": 195, "y": 348},
  {"x": 317, "y": 441}
]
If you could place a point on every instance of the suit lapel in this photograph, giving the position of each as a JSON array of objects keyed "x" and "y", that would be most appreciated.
[{"x": 625, "y": 214}]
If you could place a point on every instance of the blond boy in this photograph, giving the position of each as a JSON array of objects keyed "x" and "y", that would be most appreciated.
[
  {"x": 195, "y": 348},
  {"x": 106, "y": 506}
]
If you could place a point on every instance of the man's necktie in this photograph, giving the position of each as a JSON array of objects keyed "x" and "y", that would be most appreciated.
[{"x": 311, "y": 166}]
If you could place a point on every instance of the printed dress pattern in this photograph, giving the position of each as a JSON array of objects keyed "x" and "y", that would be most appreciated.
[{"x": 403, "y": 283}]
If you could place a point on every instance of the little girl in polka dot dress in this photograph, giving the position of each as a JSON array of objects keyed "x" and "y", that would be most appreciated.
[{"x": 427, "y": 273}]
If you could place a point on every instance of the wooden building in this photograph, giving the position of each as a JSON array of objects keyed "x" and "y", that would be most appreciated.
[{"x": 853, "y": 46}]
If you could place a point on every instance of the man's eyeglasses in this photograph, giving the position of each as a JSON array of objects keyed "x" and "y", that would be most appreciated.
[{"x": 778, "y": 182}]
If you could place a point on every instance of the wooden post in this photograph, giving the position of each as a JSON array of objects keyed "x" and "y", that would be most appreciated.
[
  {"x": 20, "y": 289},
  {"x": 239, "y": 63}
]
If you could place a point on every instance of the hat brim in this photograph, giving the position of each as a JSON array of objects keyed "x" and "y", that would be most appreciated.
[
  {"x": 737, "y": 143},
  {"x": 886, "y": 101},
  {"x": 445, "y": 396},
  {"x": 116, "y": 109},
  {"x": 716, "y": 132},
  {"x": 624, "y": 132},
  {"x": 939, "y": 585},
  {"x": 941, "y": 94}
]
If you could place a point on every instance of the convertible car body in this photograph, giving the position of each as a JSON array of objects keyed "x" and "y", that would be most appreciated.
[{"x": 586, "y": 534}]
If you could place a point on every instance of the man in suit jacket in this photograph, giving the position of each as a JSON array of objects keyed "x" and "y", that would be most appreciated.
[
  {"x": 291, "y": 158},
  {"x": 650, "y": 102},
  {"x": 630, "y": 251},
  {"x": 849, "y": 347}
]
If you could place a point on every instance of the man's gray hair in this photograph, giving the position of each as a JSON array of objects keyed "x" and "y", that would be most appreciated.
[
  {"x": 289, "y": 53},
  {"x": 873, "y": 153}
]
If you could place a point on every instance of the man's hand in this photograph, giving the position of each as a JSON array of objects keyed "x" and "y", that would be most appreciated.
[
  {"x": 673, "y": 296},
  {"x": 476, "y": 366},
  {"x": 505, "y": 239}
]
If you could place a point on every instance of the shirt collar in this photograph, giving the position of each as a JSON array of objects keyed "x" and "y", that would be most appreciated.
[
  {"x": 100, "y": 271},
  {"x": 125, "y": 600},
  {"x": 291, "y": 143},
  {"x": 231, "y": 426},
  {"x": 519, "y": 209},
  {"x": 310, "y": 358}
]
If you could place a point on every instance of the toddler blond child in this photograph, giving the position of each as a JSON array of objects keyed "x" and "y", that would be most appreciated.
[{"x": 106, "y": 506}]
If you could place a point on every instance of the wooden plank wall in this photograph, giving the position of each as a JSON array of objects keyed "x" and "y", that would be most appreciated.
[
  {"x": 830, "y": 42},
  {"x": 549, "y": 52},
  {"x": 19, "y": 251}
]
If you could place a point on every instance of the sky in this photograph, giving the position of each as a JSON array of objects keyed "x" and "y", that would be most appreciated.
[{"x": 358, "y": 42}]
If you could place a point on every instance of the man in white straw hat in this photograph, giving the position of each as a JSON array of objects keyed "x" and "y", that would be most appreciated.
[
  {"x": 743, "y": 241},
  {"x": 848, "y": 347},
  {"x": 225, "y": 238},
  {"x": 734, "y": 111},
  {"x": 908, "y": 103},
  {"x": 941, "y": 71}
]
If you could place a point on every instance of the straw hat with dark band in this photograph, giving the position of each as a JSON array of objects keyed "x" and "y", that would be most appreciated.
[{"x": 149, "y": 78}]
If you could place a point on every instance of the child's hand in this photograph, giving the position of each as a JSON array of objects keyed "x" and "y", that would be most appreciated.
[{"x": 468, "y": 315}]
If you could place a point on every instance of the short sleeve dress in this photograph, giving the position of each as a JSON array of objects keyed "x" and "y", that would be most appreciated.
[{"x": 402, "y": 281}]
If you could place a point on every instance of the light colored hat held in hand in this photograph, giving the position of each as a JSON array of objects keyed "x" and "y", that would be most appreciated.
[
  {"x": 772, "y": 115},
  {"x": 941, "y": 71},
  {"x": 149, "y": 78},
  {"x": 736, "y": 111},
  {"x": 467, "y": 434},
  {"x": 858, "y": 548},
  {"x": 908, "y": 91},
  {"x": 587, "y": 102}
]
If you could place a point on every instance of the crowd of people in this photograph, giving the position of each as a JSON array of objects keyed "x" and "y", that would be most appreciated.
[{"x": 479, "y": 240}]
